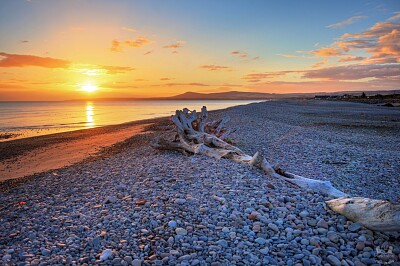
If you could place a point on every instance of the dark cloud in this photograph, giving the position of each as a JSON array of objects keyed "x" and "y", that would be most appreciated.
[{"x": 15, "y": 60}]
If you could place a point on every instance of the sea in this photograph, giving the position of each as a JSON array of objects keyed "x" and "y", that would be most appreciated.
[{"x": 29, "y": 119}]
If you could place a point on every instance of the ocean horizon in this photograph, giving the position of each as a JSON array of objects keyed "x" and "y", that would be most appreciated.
[{"x": 29, "y": 119}]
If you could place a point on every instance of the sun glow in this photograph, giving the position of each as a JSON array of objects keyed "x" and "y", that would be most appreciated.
[{"x": 89, "y": 88}]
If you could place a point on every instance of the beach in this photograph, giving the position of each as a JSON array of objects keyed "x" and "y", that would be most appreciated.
[{"x": 111, "y": 199}]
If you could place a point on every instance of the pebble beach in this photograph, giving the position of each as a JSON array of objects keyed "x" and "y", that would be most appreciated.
[{"x": 133, "y": 205}]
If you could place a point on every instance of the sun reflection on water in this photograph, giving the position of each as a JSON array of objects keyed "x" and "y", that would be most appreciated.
[{"x": 89, "y": 115}]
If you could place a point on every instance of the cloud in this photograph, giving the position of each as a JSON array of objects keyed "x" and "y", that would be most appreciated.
[
  {"x": 240, "y": 54},
  {"x": 118, "y": 46},
  {"x": 24, "y": 41},
  {"x": 15, "y": 60},
  {"x": 320, "y": 63},
  {"x": 116, "y": 69},
  {"x": 182, "y": 84},
  {"x": 326, "y": 52},
  {"x": 148, "y": 52},
  {"x": 256, "y": 77},
  {"x": 351, "y": 58},
  {"x": 166, "y": 79},
  {"x": 346, "y": 22},
  {"x": 395, "y": 17},
  {"x": 215, "y": 67},
  {"x": 177, "y": 45},
  {"x": 128, "y": 29},
  {"x": 354, "y": 72}
]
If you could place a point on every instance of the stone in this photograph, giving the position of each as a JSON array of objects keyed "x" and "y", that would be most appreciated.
[
  {"x": 180, "y": 201},
  {"x": 225, "y": 230},
  {"x": 264, "y": 251},
  {"x": 111, "y": 199},
  {"x": 304, "y": 214},
  {"x": 222, "y": 243},
  {"x": 181, "y": 231},
  {"x": 106, "y": 254},
  {"x": 273, "y": 227},
  {"x": 172, "y": 224},
  {"x": 137, "y": 262},
  {"x": 260, "y": 241},
  {"x": 354, "y": 227},
  {"x": 360, "y": 246},
  {"x": 322, "y": 224},
  {"x": 333, "y": 260},
  {"x": 45, "y": 252}
]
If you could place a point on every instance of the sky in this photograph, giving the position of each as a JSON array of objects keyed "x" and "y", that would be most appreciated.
[{"x": 72, "y": 49}]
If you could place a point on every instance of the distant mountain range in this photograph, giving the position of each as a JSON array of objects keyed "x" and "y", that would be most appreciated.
[{"x": 242, "y": 95}]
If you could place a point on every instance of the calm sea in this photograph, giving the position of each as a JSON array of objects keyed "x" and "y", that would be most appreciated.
[{"x": 26, "y": 119}]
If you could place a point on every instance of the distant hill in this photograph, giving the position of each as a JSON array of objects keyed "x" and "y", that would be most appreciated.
[
  {"x": 241, "y": 95},
  {"x": 230, "y": 95}
]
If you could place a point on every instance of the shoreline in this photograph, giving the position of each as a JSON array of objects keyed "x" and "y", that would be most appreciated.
[{"x": 152, "y": 207}]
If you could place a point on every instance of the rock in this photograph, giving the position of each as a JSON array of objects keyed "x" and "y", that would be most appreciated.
[
  {"x": 322, "y": 224},
  {"x": 137, "y": 262},
  {"x": 6, "y": 257},
  {"x": 225, "y": 230},
  {"x": 269, "y": 185},
  {"x": 304, "y": 214},
  {"x": 260, "y": 241},
  {"x": 45, "y": 252},
  {"x": 354, "y": 227},
  {"x": 273, "y": 227},
  {"x": 305, "y": 242},
  {"x": 333, "y": 260},
  {"x": 264, "y": 251},
  {"x": 180, "y": 201},
  {"x": 106, "y": 254},
  {"x": 222, "y": 243},
  {"x": 253, "y": 215},
  {"x": 111, "y": 199},
  {"x": 360, "y": 246},
  {"x": 181, "y": 231},
  {"x": 157, "y": 179},
  {"x": 140, "y": 202},
  {"x": 172, "y": 224}
]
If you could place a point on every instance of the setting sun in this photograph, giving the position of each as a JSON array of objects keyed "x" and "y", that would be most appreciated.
[{"x": 89, "y": 88}]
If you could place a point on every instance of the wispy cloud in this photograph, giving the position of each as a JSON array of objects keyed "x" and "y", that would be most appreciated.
[
  {"x": 128, "y": 29},
  {"x": 24, "y": 41},
  {"x": 177, "y": 45},
  {"x": 346, "y": 22},
  {"x": 15, "y": 60},
  {"x": 118, "y": 46},
  {"x": 194, "y": 84},
  {"x": 354, "y": 72},
  {"x": 396, "y": 16},
  {"x": 215, "y": 67},
  {"x": 351, "y": 58},
  {"x": 327, "y": 52},
  {"x": 257, "y": 77},
  {"x": 320, "y": 63},
  {"x": 240, "y": 54},
  {"x": 165, "y": 79},
  {"x": 148, "y": 52}
]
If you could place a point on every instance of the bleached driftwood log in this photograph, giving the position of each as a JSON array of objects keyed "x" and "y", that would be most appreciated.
[
  {"x": 379, "y": 215},
  {"x": 197, "y": 136}
]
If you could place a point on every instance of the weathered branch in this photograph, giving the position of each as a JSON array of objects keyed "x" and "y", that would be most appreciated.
[
  {"x": 197, "y": 136},
  {"x": 379, "y": 215}
]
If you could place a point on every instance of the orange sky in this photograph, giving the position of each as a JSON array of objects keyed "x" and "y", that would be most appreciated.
[{"x": 81, "y": 49}]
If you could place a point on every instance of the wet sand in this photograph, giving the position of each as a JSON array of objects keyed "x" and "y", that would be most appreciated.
[{"x": 26, "y": 157}]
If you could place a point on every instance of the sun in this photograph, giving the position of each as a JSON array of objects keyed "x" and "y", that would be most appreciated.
[{"x": 89, "y": 88}]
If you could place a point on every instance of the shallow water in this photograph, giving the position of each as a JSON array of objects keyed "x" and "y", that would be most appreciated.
[{"x": 27, "y": 119}]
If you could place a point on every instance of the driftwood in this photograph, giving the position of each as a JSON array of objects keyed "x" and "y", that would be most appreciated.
[
  {"x": 379, "y": 215},
  {"x": 195, "y": 135}
]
